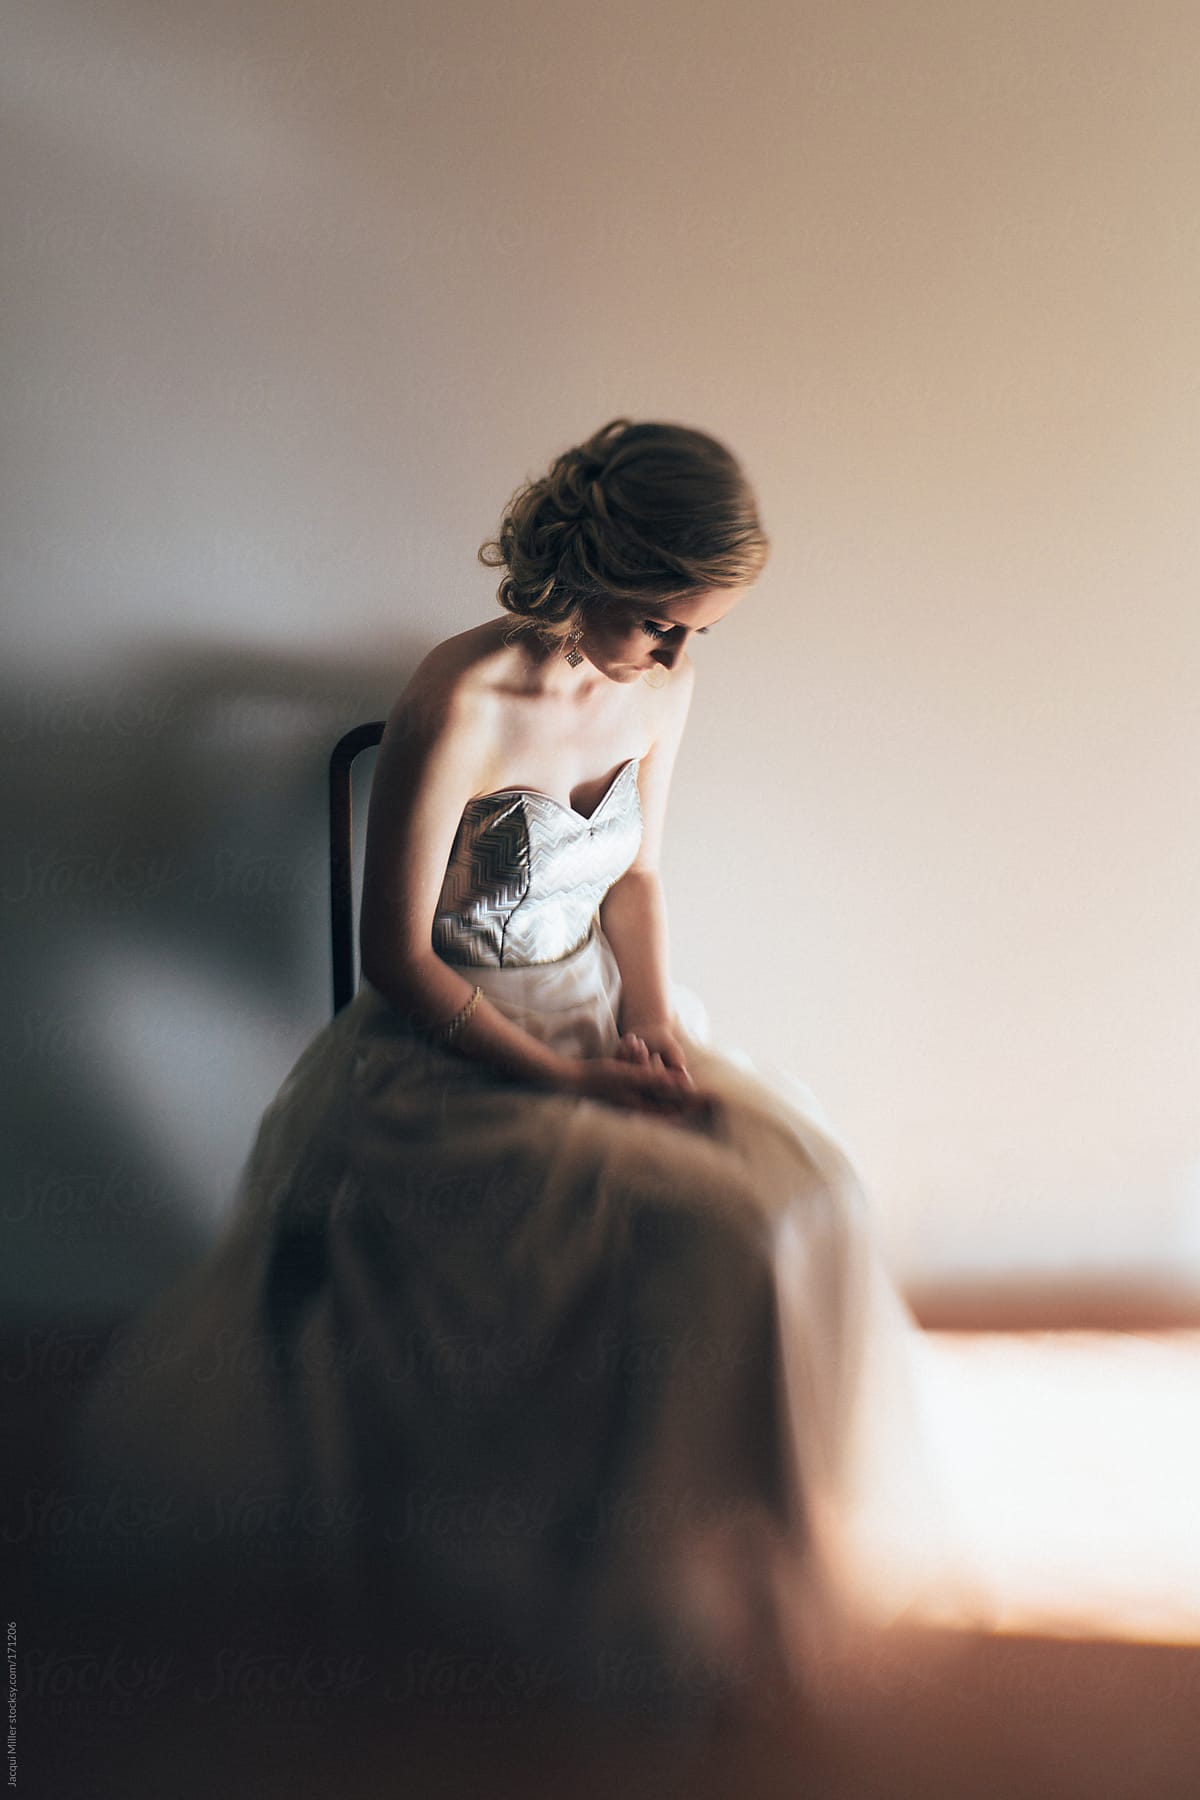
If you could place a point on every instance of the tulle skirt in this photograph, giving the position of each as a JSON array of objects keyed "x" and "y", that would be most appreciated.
[{"x": 608, "y": 1395}]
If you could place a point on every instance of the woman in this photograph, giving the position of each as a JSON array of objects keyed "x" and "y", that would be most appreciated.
[
  {"x": 581, "y": 693},
  {"x": 568, "y": 1319}
]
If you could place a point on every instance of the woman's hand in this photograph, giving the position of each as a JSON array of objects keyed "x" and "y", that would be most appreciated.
[
  {"x": 653, "y": 1044},
  {"x": 643, "y": 1085}
]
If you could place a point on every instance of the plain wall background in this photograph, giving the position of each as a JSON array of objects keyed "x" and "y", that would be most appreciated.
[{"x": 297, "y": 293}]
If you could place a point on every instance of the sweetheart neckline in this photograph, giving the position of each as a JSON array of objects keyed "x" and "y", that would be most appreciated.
[{"x": 536, "y": 794}]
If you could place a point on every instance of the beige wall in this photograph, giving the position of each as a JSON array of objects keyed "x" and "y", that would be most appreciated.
[{"x": 300, "y": 292}]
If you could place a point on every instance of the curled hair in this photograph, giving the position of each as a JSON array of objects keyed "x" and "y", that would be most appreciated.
[{"x": 637, "y": 514}]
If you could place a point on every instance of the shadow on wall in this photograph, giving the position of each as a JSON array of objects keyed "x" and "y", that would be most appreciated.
[{"x": 164, "y": 882}]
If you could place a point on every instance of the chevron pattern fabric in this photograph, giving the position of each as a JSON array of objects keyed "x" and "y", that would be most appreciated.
[{"x": 527, "y": 874}]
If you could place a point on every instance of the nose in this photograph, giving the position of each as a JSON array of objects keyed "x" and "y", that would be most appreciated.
[{"x": 669, "y": 650}]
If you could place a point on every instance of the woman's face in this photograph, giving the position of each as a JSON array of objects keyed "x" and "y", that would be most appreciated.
[{"x": 624, "y": 642}]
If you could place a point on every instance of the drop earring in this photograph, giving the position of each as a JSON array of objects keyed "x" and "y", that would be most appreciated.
[{"x": 574, "y": 656}]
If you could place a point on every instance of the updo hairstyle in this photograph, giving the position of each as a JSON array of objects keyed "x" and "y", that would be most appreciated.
[{"x": 636, "y": 516}]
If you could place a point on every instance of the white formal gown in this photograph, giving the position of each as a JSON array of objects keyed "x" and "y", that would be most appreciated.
[{"x": 557, "y": 1379}]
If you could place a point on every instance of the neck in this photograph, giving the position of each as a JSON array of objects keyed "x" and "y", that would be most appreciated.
[{"x": 555, "y": 674}]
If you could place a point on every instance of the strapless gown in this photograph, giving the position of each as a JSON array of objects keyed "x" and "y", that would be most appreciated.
[{"x": 578, "y": 1386}]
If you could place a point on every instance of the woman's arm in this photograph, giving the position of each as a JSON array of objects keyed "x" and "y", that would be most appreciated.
[
  {"x": 434, "y": 755},
  {"x": 633, "y": 914}
]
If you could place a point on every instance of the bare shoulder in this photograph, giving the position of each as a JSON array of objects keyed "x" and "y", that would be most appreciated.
[
  {"x": 436, "y": 748},
  {"x": 438, "y": 743},
  {"x": 683, "y": 676},
  {"x": 455, "y": 687},
  {"x": 669, "y": 704}
]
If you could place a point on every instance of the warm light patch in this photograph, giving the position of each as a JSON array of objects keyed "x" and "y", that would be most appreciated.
[{"x": 1072, "y": 1461}]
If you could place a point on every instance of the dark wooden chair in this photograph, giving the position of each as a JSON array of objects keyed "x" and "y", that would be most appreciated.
[{"x": 341, "y": 854}]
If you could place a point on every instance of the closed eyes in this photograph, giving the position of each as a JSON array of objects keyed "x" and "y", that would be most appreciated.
[{"x": 658, "y": 631}]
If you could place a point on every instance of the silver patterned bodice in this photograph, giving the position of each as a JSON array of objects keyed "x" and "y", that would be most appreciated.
[{"x": 527, "y": 874}]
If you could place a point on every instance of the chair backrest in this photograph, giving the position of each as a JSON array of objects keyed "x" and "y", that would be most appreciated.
[{"x": 341, "y": 854}]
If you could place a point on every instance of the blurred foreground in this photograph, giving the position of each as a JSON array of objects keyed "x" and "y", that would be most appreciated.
[{"x": 1072, "y": 1462}]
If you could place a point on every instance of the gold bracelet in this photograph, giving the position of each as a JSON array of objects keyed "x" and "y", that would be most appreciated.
[{"x": 448, "y": 1033}]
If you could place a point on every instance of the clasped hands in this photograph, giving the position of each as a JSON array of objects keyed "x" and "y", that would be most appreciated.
[
  {"x": 653, "y": 1044},
  {"x": 647, "y": 1071}
]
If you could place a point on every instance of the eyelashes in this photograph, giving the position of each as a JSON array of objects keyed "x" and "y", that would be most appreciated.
[{"x": 657, "y": 631}]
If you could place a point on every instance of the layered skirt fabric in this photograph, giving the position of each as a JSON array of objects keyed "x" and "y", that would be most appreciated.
[{"x": 568, "y": 1383}]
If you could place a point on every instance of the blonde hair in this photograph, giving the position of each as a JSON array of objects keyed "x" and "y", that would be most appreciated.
[{"x": 636, "y": 514}]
